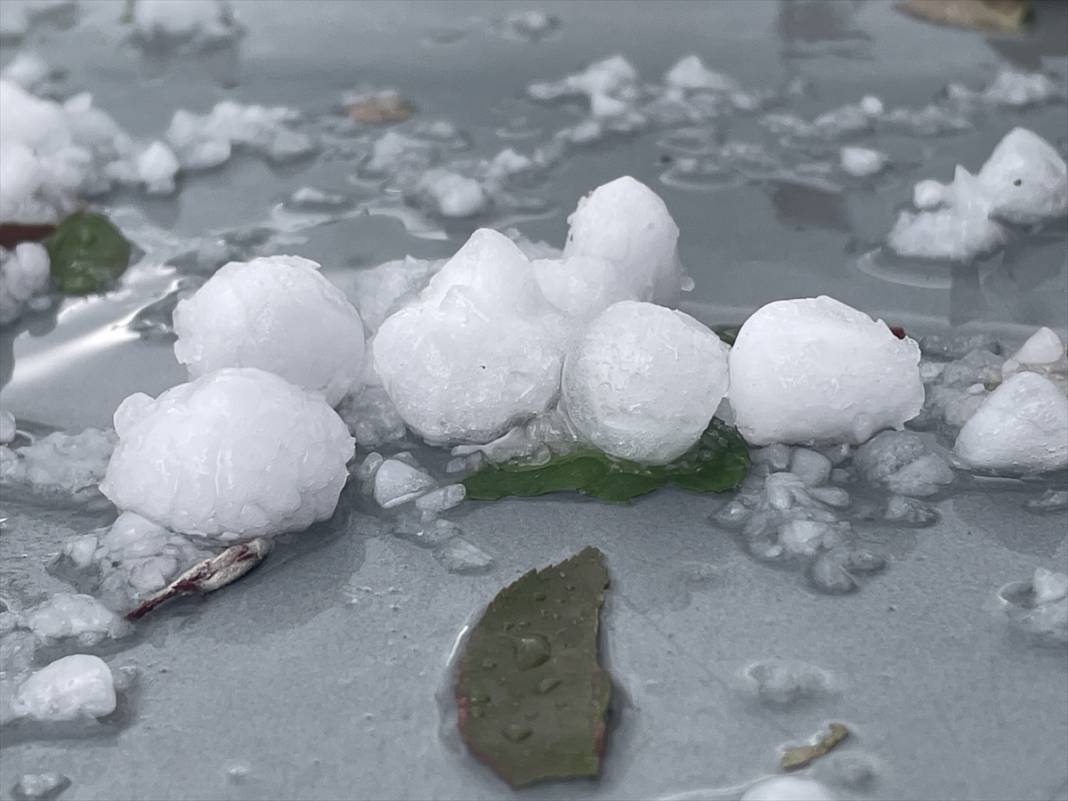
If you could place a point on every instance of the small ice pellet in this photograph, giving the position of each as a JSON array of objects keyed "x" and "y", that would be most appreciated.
[
  {"x": 862, "y": 162},
  {"x": 1042, "y": 347},
  {"x": 810, "y": 466},
  {"x": 871, "y": 105},
  {"x": 804, "y": 537},
  {"x": 832, "y": 496},
  {"x": 443, "y": 499},
  {"x": 70, "y": 688},
  {"x": 40, "y": 786},
  {"x": 397, "y": 482},
  {"x": 1049, "y": 586},
  {"x": 369, "y": 466},
  {"x": 928, "y": 194}
]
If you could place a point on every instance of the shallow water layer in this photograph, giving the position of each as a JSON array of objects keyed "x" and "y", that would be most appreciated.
[{"x": 317, "y": 675}]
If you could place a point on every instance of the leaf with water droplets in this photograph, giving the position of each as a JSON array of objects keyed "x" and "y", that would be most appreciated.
[
  {"x": 87, "y": 253},
  {"x": 531, "y": 695},
  {"x": 803, "y": 755}
]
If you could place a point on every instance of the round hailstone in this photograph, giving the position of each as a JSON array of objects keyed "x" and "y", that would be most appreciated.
[
  {"x": 580, "y": 286},
  {"x": 814, "y": 370},
  {"x": 235, "y": 454},
  {"x": 1021, "y": 427},
  {"x": 626, "y": 223},
  {"x": 644, "y": 382},
  {"x": 277, "y": 313},
  {"x": 478, "y": 352},
  {"x": 1026, "y": 178}
]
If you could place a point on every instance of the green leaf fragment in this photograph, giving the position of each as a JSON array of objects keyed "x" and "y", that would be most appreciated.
[
  {"x": 531, "y": 695},
  {"x": 803, "y": 755},
  {"x": 728, "y": 333},
  {"x": 87, "y": 253},
  {"x": 717, "y": 463}
]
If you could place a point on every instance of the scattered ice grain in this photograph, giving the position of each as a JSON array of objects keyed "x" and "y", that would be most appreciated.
[
  {"x": 24, "y": 275},
  {"x": 784, "y": 683},
  {"x": 187, "y": 21},
  {"x": 463, "y": 557},
  {"x": 278, "y": 314},
  {"x": 156, "y": 168},
  {"x": 81, "y": 617},
  {"x": 1039, "y": 607},
  {"x": 74, "y": 687},
  {"x": 904, "y": 462},
  {"x": 40, "y": 786},
  {"x": 193, "y": 458},
  {"x": 451, "y": 194},
  {"x": 59, "y": 463},
  {"x": 205, "y": 141},
  {"x": 815, "y": 370},
  {"x": 396, "y": 482},
  {"x": 442, "y": 499},
  {"x": 644, "y": 382},
  {"x": 862, "y": 162}
]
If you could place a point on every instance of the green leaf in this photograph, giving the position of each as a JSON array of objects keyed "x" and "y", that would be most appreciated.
[
  {"x": 717, "y": 463},
  {"x": 728, "y": 333},
  {"x": 530, "y": 693},
  {"x": 87, "y": 253}
]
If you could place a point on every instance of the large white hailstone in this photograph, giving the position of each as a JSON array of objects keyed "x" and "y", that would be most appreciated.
[
  {"x": 277, "y": 313},
  {"x": 235, "y": 454},
  {"x": 479, "y": 351},
  {"x": 788, "y": 788},
  {"x": 1021, "y": 427},
  {"x": 74, "y": 687},
  {"x": 644, "y": 382},
  {"x": 1026, "y": 179},
  {"x": 816, "y": 370},
  {"x": 626, "y": 223}
]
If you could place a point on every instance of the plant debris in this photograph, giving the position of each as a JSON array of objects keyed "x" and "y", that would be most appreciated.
[
  {"x": 87, "y": 253},
  {"x": 379, "y": 108},
  {"x": 209, "y": 575},
  {"x": 14, "y": 234},
  {"x": 803, "y": 755},
  {"x": 530, "y": 693},
  {"x": 984, "y": 15},
  {"x": 717, "y": 463}
]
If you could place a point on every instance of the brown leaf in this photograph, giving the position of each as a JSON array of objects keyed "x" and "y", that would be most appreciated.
[
  {"x": 802, "y": 755},
  {"x": 983, "y": 15},
  {"x": 380, "y": 108}
]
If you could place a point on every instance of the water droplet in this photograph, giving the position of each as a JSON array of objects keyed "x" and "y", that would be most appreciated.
[
  {"x": 516, "y": 732},
  {"x": 540, "y": 596},
  {"x": 548, "y": 684},
  {"x": 476, "y": 712},
  {"x": 531, "y": 714},
  {"x": 488, "y": 664},
  {"x": 531, "y": 650}
]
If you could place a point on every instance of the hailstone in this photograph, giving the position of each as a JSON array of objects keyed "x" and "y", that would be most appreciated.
[
  {"x": 235, "y": 454},
  {"x": 644, "y": 382},
  {"x": 276, "y": 313}
]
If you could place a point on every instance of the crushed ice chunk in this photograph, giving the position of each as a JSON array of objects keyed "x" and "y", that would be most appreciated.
[
  {"x": 379, "y": 291},
  {"x": 690, "y": 73},
  {"x": 530, "y": 25},
  {"x": 832, "y": 496},
  {"x": 479, "y": 351},
  {"x": 451, "y": 194},
  {"x": 369, "y": 466},
  {"x": 1049, "y": 501},
  {"x": 644, "y": 382},
  {"x": 580, "y": 286},
  {"x": 813, "y": 369},
  {"x": 1042, "y": 347},
  {"x": 835, "y": 571},
  {"x": 371, "y": 417},
  {"x": 205, "y": 141},
  {"x": 202, "y": 20},
  {"x": 463, "y": 557},
  {"x": 1011, "y": 88},
  {"x": 862, "y": 161},
  {"x": 194, "y": 458},
  {"x": 1049, "y": 586},
  {"x": 610, "y": 76},
  {"x": 59, "y": 464},
  {"x": 396, "y": 482},
  {"x": 785, "y": 683},
  {"x": 440, "y": 500},
  {"x": 28, "y": 69},
  {"x": 810, "y": 466},
  {"x": 70, "y": 688},
  {"x": 24, "y": 275},
  {"x": 777, "y": 456},
  {"x": 788, "y": 788},
  {"x": 1039, "y": 607},
  {"x": 66, "y": 615},
  {"x": 904, "y": 462},
  {"x": 900, "y": 509},
  {"x": 276, "y": 313},
  {"x": 627, "y": 224},
  {"x": 156, "y": 167},
  {"x": 805, "y": 537},
  {"x": 1025, "y": 181},
  {"x": 1021, "y": 427}
]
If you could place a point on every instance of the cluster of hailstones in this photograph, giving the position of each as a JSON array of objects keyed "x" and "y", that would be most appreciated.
[{"x": 252, "y": 446}]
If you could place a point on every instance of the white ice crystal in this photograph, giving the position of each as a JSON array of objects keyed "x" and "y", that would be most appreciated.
[
  {"x": 183, "y": 19},
  {"x": 1049, "y": 586},
  {"x": 643, "y": 382},
  {"x": 156, "y": 168},
  {"x": 74, "y": 687},
  {"x": 904, "y": 462},
  {"x": 60, "y": 464},
  {"x": 479, "y": 351},
  {"x": 203, "y": 141},
  {"x": 24, "y": 274},
  {"x": 379, "y": 291},
  {"x": 7, "y": 427},
  {"x": 690, "y": 73},
  {"x": 67, "y": 615},
  {"x": 235, "y": 454},
  {"x": 1042, "y": 347},
  {"x": 788, "y": 788},
  {"x": 1025, "y": 181},
  {"x": 277, "y": 313},
  {"x": 451, "y": 194},
  {"x": 626, "y": 223},
  {"x": 610, "y": 76},
  {"x": 27, "y": 69},
  {"x": 1021, "y": 427},
  {"x": 396, "y": 482},
  {"x": 862, "y": 161},
  {"x": 581, "y": 286},
  {"x": 816, "y": 370}
]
